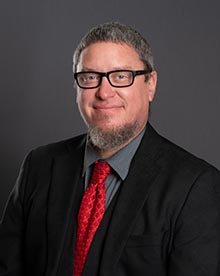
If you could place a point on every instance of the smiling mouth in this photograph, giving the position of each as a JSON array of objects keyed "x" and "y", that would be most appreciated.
[
  {"x": 113, "y": 110},
  {"x": 100, "y": 107},
  {"x": 105, "y": 108}
]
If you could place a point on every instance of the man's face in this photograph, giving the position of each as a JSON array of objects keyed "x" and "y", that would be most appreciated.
[{"x": 108, "y": 108}]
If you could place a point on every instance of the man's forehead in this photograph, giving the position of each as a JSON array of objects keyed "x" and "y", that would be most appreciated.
[
  {"x": 109, "y": 56},
  {"x": 106, "y": 44},
  {"x": 108, "y": 48}
]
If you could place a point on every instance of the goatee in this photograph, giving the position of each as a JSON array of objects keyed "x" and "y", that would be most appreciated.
[{"x": 113, "y": 138}]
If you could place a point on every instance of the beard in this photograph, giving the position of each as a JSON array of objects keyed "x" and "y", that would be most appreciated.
[{"x": 113, "y": 138}]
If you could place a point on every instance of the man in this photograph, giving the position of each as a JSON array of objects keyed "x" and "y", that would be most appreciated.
[{"x": 162, "y": 205}]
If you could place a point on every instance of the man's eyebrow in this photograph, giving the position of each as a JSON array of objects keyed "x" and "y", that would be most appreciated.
[
  {"x": 114, "y": 68},
  {"x": 123, "y": 68},
  {"x": 87, "y": 69}
]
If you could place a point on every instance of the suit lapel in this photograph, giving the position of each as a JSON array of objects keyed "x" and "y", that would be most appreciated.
[
  {"x": 132, "y": 197},
  {"x": 66, "y": 176}
]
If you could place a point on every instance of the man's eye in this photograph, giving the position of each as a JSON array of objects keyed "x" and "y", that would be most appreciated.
[
  {"x": 86, "y": 78},
  {"x": 91, "y": 77},
  {"x": 121, "y": 77}
]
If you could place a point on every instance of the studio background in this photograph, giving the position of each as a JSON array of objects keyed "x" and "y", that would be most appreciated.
[{"x": 37, "y": 99}]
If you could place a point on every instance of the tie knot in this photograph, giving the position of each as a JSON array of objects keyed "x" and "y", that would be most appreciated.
[{"x": 100, "y": 172}]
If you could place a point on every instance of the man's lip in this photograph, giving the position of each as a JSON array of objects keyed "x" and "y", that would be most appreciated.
[{"x": 106, "y": 107}]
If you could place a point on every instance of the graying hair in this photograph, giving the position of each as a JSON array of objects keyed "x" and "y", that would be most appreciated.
[{"x": 117, "y": 33}]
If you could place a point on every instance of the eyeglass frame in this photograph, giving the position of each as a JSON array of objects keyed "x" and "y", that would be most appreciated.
[{"x": 106, "y": 74}]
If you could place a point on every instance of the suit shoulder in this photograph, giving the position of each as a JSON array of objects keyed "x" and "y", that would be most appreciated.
[
  {"x": 58, "y": 148},
  {"x": 177, "y": 157}
]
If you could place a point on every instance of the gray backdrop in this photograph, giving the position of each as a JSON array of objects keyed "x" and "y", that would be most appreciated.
[{"x": 36, "y": 95}]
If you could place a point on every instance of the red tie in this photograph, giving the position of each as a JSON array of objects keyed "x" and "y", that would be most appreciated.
[{"x": 91, "y": 212}]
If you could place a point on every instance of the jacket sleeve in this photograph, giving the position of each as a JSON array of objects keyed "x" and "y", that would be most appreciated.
[
  {"x": 12, "y": 228},
  {"x": 196, "y": 246}
]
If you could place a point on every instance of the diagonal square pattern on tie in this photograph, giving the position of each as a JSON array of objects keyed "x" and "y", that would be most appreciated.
[{"x": 90, "y": 214}]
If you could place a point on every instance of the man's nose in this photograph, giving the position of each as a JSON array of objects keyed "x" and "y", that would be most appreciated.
[{"x": 105, "y": 90}]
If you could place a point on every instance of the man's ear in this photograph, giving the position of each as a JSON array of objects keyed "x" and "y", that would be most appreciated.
[{"x": 152, "y": 84}]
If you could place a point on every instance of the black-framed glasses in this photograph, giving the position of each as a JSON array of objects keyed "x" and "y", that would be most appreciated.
[{"x": 117, "y": 78}]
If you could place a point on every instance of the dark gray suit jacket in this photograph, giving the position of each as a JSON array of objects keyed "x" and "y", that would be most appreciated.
[{"x": 166, "y": 220}]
